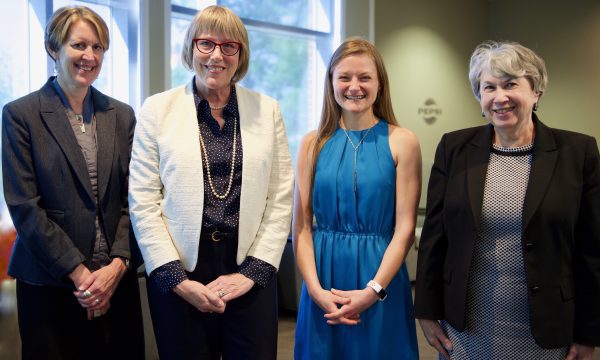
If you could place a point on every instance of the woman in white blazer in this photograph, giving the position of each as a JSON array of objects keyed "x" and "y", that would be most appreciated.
[{"x": 211, "y": 184}]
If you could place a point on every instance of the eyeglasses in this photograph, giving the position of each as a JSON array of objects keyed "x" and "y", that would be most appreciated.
[{"x": 206, "y": 46}]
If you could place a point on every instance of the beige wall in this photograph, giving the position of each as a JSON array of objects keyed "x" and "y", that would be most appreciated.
[
  {"x": 426, "y": 47},
  {"x": 567, "y": 35}
]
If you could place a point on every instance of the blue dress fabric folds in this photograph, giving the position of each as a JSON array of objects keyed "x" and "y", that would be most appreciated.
[{"x": 353, "y": 231}]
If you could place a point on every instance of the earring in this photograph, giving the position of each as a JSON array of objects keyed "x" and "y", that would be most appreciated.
[
  {"x": 482, "y": 114},
  {"x": 535, "y": 107}
]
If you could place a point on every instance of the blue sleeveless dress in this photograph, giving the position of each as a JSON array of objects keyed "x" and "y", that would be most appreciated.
[{"x": 352, "y": 234}]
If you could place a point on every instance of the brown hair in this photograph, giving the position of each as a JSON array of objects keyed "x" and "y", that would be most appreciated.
[
  {"x": 332, "y": 112},
  {"x": 222, "y": 21},
  {"x": 61, "y": 21}
]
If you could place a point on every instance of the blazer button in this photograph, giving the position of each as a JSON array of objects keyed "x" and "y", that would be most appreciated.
[
  {"x": 535, "y": 289},
  {"x": 528, "y": 246}
]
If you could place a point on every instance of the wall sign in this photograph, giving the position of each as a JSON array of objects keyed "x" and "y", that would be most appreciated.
[{"x": 429, "y": 111}]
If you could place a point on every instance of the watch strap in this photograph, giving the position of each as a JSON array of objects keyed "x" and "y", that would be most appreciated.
[{"x": 379, "y": 290}]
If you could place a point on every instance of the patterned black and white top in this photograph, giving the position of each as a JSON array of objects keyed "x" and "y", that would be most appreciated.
[{"x": 498, "y": 324}]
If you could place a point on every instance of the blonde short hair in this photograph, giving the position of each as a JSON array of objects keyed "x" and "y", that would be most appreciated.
[
  {"x": 506, "y": 59},
  {"x": 222, "y": 21},
  {"x": 61, "y": 21}
]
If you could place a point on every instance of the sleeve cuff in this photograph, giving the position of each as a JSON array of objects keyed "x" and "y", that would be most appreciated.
[
  {"x": 167, "y": 276},
  {"x": 258, "y": 271}
]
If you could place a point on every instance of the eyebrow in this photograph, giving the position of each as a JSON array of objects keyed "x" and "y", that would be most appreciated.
[{"x": 360, "y": 74}]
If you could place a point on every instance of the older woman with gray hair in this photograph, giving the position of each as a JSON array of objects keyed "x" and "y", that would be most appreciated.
[{"x": 509, "y": 259}]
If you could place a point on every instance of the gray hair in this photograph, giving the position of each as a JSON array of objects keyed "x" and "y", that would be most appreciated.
[{"x": 506, "y": 59}]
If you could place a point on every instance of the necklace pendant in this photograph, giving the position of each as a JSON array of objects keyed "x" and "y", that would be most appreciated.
[
  {"x": 81, "y": 123},
  {"x": 355, "y": 172},
  {"x": 356, "y": 147}
]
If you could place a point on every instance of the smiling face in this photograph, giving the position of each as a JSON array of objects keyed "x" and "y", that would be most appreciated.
[
  {"x": 507, "y": 102},
  {"x": 355, "y": 84},
  {"x": 79, "y": 59},
  {"x": 214, "y": 71}
]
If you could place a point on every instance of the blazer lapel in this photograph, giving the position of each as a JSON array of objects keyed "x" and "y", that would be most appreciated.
[
  {"x": 250, "y": 134},
  {"x": 106, "y": 123},
  {"x": 247, "y": 120},
  {"x": 55, "y": 119},
  {"x": 545, "y": 156},
  {"x": 478, "y": 156}
]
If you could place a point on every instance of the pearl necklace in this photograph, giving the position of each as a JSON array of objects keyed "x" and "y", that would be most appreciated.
[
  {"x": 216, "y": 107},
  {"x": 355, "y": 147},
  {"x": 205, "y": 153}
]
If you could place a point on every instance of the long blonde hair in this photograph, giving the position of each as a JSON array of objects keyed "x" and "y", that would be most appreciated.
[{"x": 332, "y": 112}]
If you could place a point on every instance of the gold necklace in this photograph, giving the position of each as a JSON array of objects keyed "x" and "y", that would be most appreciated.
[
  {"x": 205, "y": 153},
  {"x": 355, "y": 147}
]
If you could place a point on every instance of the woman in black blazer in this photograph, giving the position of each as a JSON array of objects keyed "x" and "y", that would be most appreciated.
[
  {"x": 65, "y": 158},
  {"x": 509, "y": 259}
]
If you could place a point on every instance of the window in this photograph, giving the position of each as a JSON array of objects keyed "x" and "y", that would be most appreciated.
[
  {"x": 290, "y": 44},
  {"x": 21, "y": 21}
]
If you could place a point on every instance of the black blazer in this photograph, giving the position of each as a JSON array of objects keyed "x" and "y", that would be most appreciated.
[
  {"x": 561, "y": 233},
  {"x": 48, "y": 190}
]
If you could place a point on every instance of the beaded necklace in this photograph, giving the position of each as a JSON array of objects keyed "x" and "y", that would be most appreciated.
[{"x": 205, "y": 153}]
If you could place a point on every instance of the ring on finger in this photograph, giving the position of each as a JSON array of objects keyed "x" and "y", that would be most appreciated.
[
  {"x": 97, "y": 313},
  {"x": 221, "y": 293},
  {"x": 87, "y": 294},
  {"x": 97, "y": 301}
]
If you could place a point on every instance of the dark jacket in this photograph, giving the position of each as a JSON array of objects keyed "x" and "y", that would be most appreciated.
[
  {"x": 560, "y": 242},
  {"x": 47, "y": 187}
]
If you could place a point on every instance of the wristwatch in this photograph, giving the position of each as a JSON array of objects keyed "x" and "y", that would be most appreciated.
[
  {"x": 379, "y": 290},
  {"x": 125, "y": 261}
]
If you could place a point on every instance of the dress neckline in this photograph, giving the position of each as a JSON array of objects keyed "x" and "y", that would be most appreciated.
[{"x": 513, "y": 151}]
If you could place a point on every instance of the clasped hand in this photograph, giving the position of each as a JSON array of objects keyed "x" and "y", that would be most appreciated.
[
  {"x": 95, "y": 289},
  {"x": 344, "y": 307},
  {"x": 214, "y": 296}
]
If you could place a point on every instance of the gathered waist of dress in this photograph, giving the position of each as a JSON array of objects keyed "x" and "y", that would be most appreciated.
[{"x": 354, "y": 233}]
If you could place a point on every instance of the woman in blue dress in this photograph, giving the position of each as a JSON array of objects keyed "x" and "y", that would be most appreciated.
[{"x": 363, "y": 190}]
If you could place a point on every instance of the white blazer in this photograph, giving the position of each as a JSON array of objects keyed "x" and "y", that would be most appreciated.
[{"x": 166, "y": 181}]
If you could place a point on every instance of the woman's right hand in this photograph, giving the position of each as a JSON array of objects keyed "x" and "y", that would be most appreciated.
[
  {"x": 201, "y": 297},
  {"x": 435, "y": 336},
  {"x": 330, "y": 303}
]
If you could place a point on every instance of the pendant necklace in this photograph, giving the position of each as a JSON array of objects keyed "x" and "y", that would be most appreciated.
[
  {"x": 81, "y": 123},
  {"x": 355, "y": 147}
]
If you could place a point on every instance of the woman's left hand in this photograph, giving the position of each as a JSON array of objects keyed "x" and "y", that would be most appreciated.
[
  {"x": 360, "y": 300},
  {"x": 580, "y": 352},
  {"x": 100, "y": 286},
  {"x": 231, "y": 286}
]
